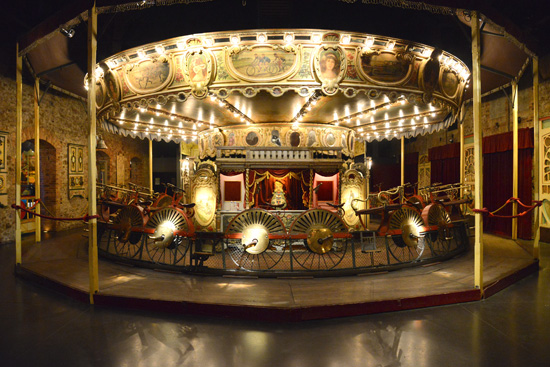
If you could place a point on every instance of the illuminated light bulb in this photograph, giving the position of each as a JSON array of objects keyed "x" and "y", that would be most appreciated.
[
  {"x": 346, "y": 39},
  {"x": 316, "y": 37},
  {"x": 137, "y": 117},
  {"x": 400, "y": 113},
  {"x": 180, "y": 45},
  {"x": 402, "y": 101},
  {"x": 121, "y": 122},
  {"x": 165, "y": 129},
  {"x": 413, "y": 122},
  {"x": 372, "y": 103},
  {"x": 165, "y": 122},
  {"x": 234, "y": 40},
  {"x": 433, "y": 114},
  {"x": 387, "y": 125},
  {"x": 373, "y": 127},
  {"x": 386, "y": 116},
  {"x": 141, "y": 54},
  {"x": 180, "y": 125},
  {"x": 289, "y": 38},
  {"x": 390, "y": 45},
  {"x": 357, "y": 122},
  {"x": 262, "y": 38},
  {"x": 360, "y": 129},
  {"x": 142, "y": 109},
  {"x": 401, "y": 122},
  {"x": 372, "y": 119},
  {"x": 159, "y": 49},
  {"x": 369, "y": 41},
  {"x": 425, "y": 120},
  {"x": 151, "y": 120},
  {"x": 220, "y": 103}
]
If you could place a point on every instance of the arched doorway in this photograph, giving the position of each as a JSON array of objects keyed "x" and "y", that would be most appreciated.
[{"x": 48, "y": 183}]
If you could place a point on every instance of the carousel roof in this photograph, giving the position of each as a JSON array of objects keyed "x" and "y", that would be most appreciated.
[
  {"x": 379, "y": 87},
  {"x": 368, "y": 101}
]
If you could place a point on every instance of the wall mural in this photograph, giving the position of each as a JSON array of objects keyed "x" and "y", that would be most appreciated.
[
  {"x": 387, "y": 68},
  {"x": 263, "y": 62},
  {"x": 75, "y": 162},
  {"x": 149, "y": 75}
]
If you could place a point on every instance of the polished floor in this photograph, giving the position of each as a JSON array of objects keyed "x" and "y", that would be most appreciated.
[{"x": 43, "y": 328}]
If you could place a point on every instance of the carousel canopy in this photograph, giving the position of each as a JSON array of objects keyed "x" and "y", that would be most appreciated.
[
  {"x": 360, "y": 96},
  {"x": 376, "y": 86}
]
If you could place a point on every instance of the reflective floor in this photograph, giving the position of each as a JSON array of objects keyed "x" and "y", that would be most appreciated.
[{"x": 42, "y": 328}]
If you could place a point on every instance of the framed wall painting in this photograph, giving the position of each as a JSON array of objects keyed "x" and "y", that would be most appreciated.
[
  {"x": 75, "y": 162},
  {"x": 3, "y": 149}
]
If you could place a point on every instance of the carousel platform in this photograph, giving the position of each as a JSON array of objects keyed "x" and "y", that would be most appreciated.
[{"x": 60, "y": 262}]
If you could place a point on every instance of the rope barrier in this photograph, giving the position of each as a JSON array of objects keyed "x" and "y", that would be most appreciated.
[
  {"x": 85, "y": 218},
  {"x": 511, "y": 200}
]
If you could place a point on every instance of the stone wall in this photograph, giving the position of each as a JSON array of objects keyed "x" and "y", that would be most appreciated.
[{"x": 63, "y": 121}]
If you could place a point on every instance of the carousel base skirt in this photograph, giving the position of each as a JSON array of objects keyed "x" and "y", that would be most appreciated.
[{"x": 61, "y": 263}]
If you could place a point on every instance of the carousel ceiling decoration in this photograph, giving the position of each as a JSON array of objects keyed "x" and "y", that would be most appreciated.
[{"x": 377, "y": 87}]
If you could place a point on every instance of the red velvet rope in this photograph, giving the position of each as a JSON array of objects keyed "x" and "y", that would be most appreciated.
[
  {"x": 84, "y": 218},
  {"x": 492, "y": 214}
]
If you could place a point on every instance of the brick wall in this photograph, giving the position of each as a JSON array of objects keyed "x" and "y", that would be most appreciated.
[{"x": 63, "y": 121}]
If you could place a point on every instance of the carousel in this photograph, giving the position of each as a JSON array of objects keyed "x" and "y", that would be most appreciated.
[{"x": 275, "y": 124}]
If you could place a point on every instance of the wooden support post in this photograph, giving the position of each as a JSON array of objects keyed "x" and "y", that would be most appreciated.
[
  {"x": 478, "y": 152},
  {"x": 92, "y": 169},
  {"x": 151, "y": 165},
  {"x": 536, "y": 156},
  {"x": 18, "y": 133},
  {"x": 402, "y": 160},
  {"x": 462, "y": 161},
  {"x": 515, "y": 152},
  {"x": 37, "y": 178}
]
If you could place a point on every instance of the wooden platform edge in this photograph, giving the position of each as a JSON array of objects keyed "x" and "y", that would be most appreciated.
[{"x": 510, "y": 279}]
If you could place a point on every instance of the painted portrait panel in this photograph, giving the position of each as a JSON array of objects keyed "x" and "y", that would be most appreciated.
[
  {"x": 113, "y": 88},
  {"x": 197, "y": 67},
  {"x": 3, "y": 149},
  {"x": 449, "y": 83}
]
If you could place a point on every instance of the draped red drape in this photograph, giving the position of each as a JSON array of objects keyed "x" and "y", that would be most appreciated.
[
  {"x": 296, "y": 189},
  {"x": 386, "y": 175},
  {"x": 445, "y": 163},
  {"x": 411, "y": 171},
  {"x": 497, "y": 180}
]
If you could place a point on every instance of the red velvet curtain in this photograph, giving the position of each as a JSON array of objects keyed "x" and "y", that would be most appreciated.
[
  {"x": 386, "y": 175},
  {"x": 296, "y": 188},
  {"x": 445, "y": 163},
  {"x": 411, "y": 171},
  {"x": 497, "y": 181}
]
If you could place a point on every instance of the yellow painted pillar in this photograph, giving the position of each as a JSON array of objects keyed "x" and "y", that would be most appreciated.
[
  {"x": 151, "y": 165},
  {"x": 18, "y": 133},
  {"x": 515, "y": 152},
  {"x": 37, "y": 178},
  {"x": 478, "y": 152},
  {"x": 536, "y": 156},
  {"x": 462, "y": 162},
  {"x": 92, "y": 169}
]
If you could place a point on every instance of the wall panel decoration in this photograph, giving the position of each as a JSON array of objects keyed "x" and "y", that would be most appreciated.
[{"x": 75, "y": 162}]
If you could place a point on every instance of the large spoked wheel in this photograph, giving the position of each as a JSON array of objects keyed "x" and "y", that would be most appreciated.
[
  {"x": 439, "y": 222},
  {"x": 316, "y": 244},
  {"x": 407, "y": 244},
  {"x": 126, "y": 240},
  {"x": 169, "y": 242},
  {"x": 255, "y": 240}
]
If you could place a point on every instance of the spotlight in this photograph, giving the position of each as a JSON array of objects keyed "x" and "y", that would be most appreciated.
[{"x": 69, "y": 33}]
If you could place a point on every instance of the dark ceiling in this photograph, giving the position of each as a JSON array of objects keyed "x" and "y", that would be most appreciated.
[{"x": 527, "y": 20}]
